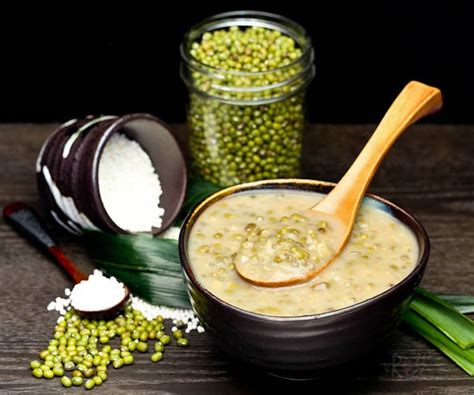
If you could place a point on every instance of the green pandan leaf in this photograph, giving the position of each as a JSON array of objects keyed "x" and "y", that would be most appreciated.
[
  {"x": 443, "y": 315},
  {"x": 462, "y": 303},
  {"x": 463, "y": 358},
  {"x": 141, "y": 250}
]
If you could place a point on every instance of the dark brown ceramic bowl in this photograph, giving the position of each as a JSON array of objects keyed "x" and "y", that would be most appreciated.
[
  {"x": 295, "y": 346},
  {"x": 67, "y": 169}
]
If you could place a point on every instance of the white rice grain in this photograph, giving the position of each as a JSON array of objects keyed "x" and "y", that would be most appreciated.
[{"x": 129, "y": 187}]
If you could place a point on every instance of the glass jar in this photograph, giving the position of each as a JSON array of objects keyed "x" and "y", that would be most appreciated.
[{"x": 247, "y": 124}]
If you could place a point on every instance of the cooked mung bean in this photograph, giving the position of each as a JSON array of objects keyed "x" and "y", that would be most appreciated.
[{"x": 381, "y": 252}]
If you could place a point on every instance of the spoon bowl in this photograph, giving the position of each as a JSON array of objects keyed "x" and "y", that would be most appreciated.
[
  {"x": 110, "y": 312},
  {"x": 283, "y": 259}
]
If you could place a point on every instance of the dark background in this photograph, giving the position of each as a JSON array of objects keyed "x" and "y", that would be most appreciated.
[{"x": 73, "y": 60}]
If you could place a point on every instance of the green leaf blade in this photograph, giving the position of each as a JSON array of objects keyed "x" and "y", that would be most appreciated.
[
  {"x": 463, "y": 358},
  {"x": 462, "y": 303},
  {"x": 445, "y": 317}
]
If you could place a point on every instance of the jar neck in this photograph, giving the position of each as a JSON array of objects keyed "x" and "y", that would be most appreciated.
[{"x": 244, "y": 87}]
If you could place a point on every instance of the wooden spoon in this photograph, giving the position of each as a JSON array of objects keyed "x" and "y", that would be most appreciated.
[
  {"x": 337, "y": 211},
  {"x": 26, "y": 222}
]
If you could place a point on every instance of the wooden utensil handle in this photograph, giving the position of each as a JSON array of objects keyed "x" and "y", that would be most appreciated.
[
  {"x": 415, "y": 101},
  {"x": 26, "y": 222},
  {"x": 69, "y": 267}
]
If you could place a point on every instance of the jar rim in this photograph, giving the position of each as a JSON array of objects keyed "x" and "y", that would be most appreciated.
[{"x": 247, "y": 18}]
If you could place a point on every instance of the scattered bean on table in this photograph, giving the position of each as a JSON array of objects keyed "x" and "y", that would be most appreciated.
[{"x": 81, "y": 350}]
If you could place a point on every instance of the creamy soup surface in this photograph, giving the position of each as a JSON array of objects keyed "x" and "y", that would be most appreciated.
[{"x": 381, "y": 252}]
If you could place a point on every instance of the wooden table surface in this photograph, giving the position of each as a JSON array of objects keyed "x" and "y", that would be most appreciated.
[{"x": 430, "y": 172}]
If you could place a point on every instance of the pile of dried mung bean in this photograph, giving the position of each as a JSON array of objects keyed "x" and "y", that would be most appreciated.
[
  {"x": 81, "y": 352},
  {"x": 246, "y": 113}
]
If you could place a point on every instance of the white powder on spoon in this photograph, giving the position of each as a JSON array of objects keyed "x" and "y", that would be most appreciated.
[
  {"x": 129, "y": 187},
  {"x": 97, "y": 293}
]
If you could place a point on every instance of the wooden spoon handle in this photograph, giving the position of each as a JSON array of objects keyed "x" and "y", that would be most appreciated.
[
  {"x": 26, "y": 222},
  {"x": 415, "y": 101}
]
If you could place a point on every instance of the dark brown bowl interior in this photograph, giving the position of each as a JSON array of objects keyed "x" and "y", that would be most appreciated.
[
  {"x": 292, "y": 345},
  {"x": 157, "y": 141}
]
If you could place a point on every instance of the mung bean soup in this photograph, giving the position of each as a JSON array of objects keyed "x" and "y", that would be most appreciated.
[{"x": 380, "y": 253}]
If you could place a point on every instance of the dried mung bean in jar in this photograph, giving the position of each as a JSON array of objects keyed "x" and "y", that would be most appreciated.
[{"x": 247, "y": 85}]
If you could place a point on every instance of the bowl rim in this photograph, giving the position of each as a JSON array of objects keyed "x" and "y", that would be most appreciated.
[{"x": 408, "y": 219}]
